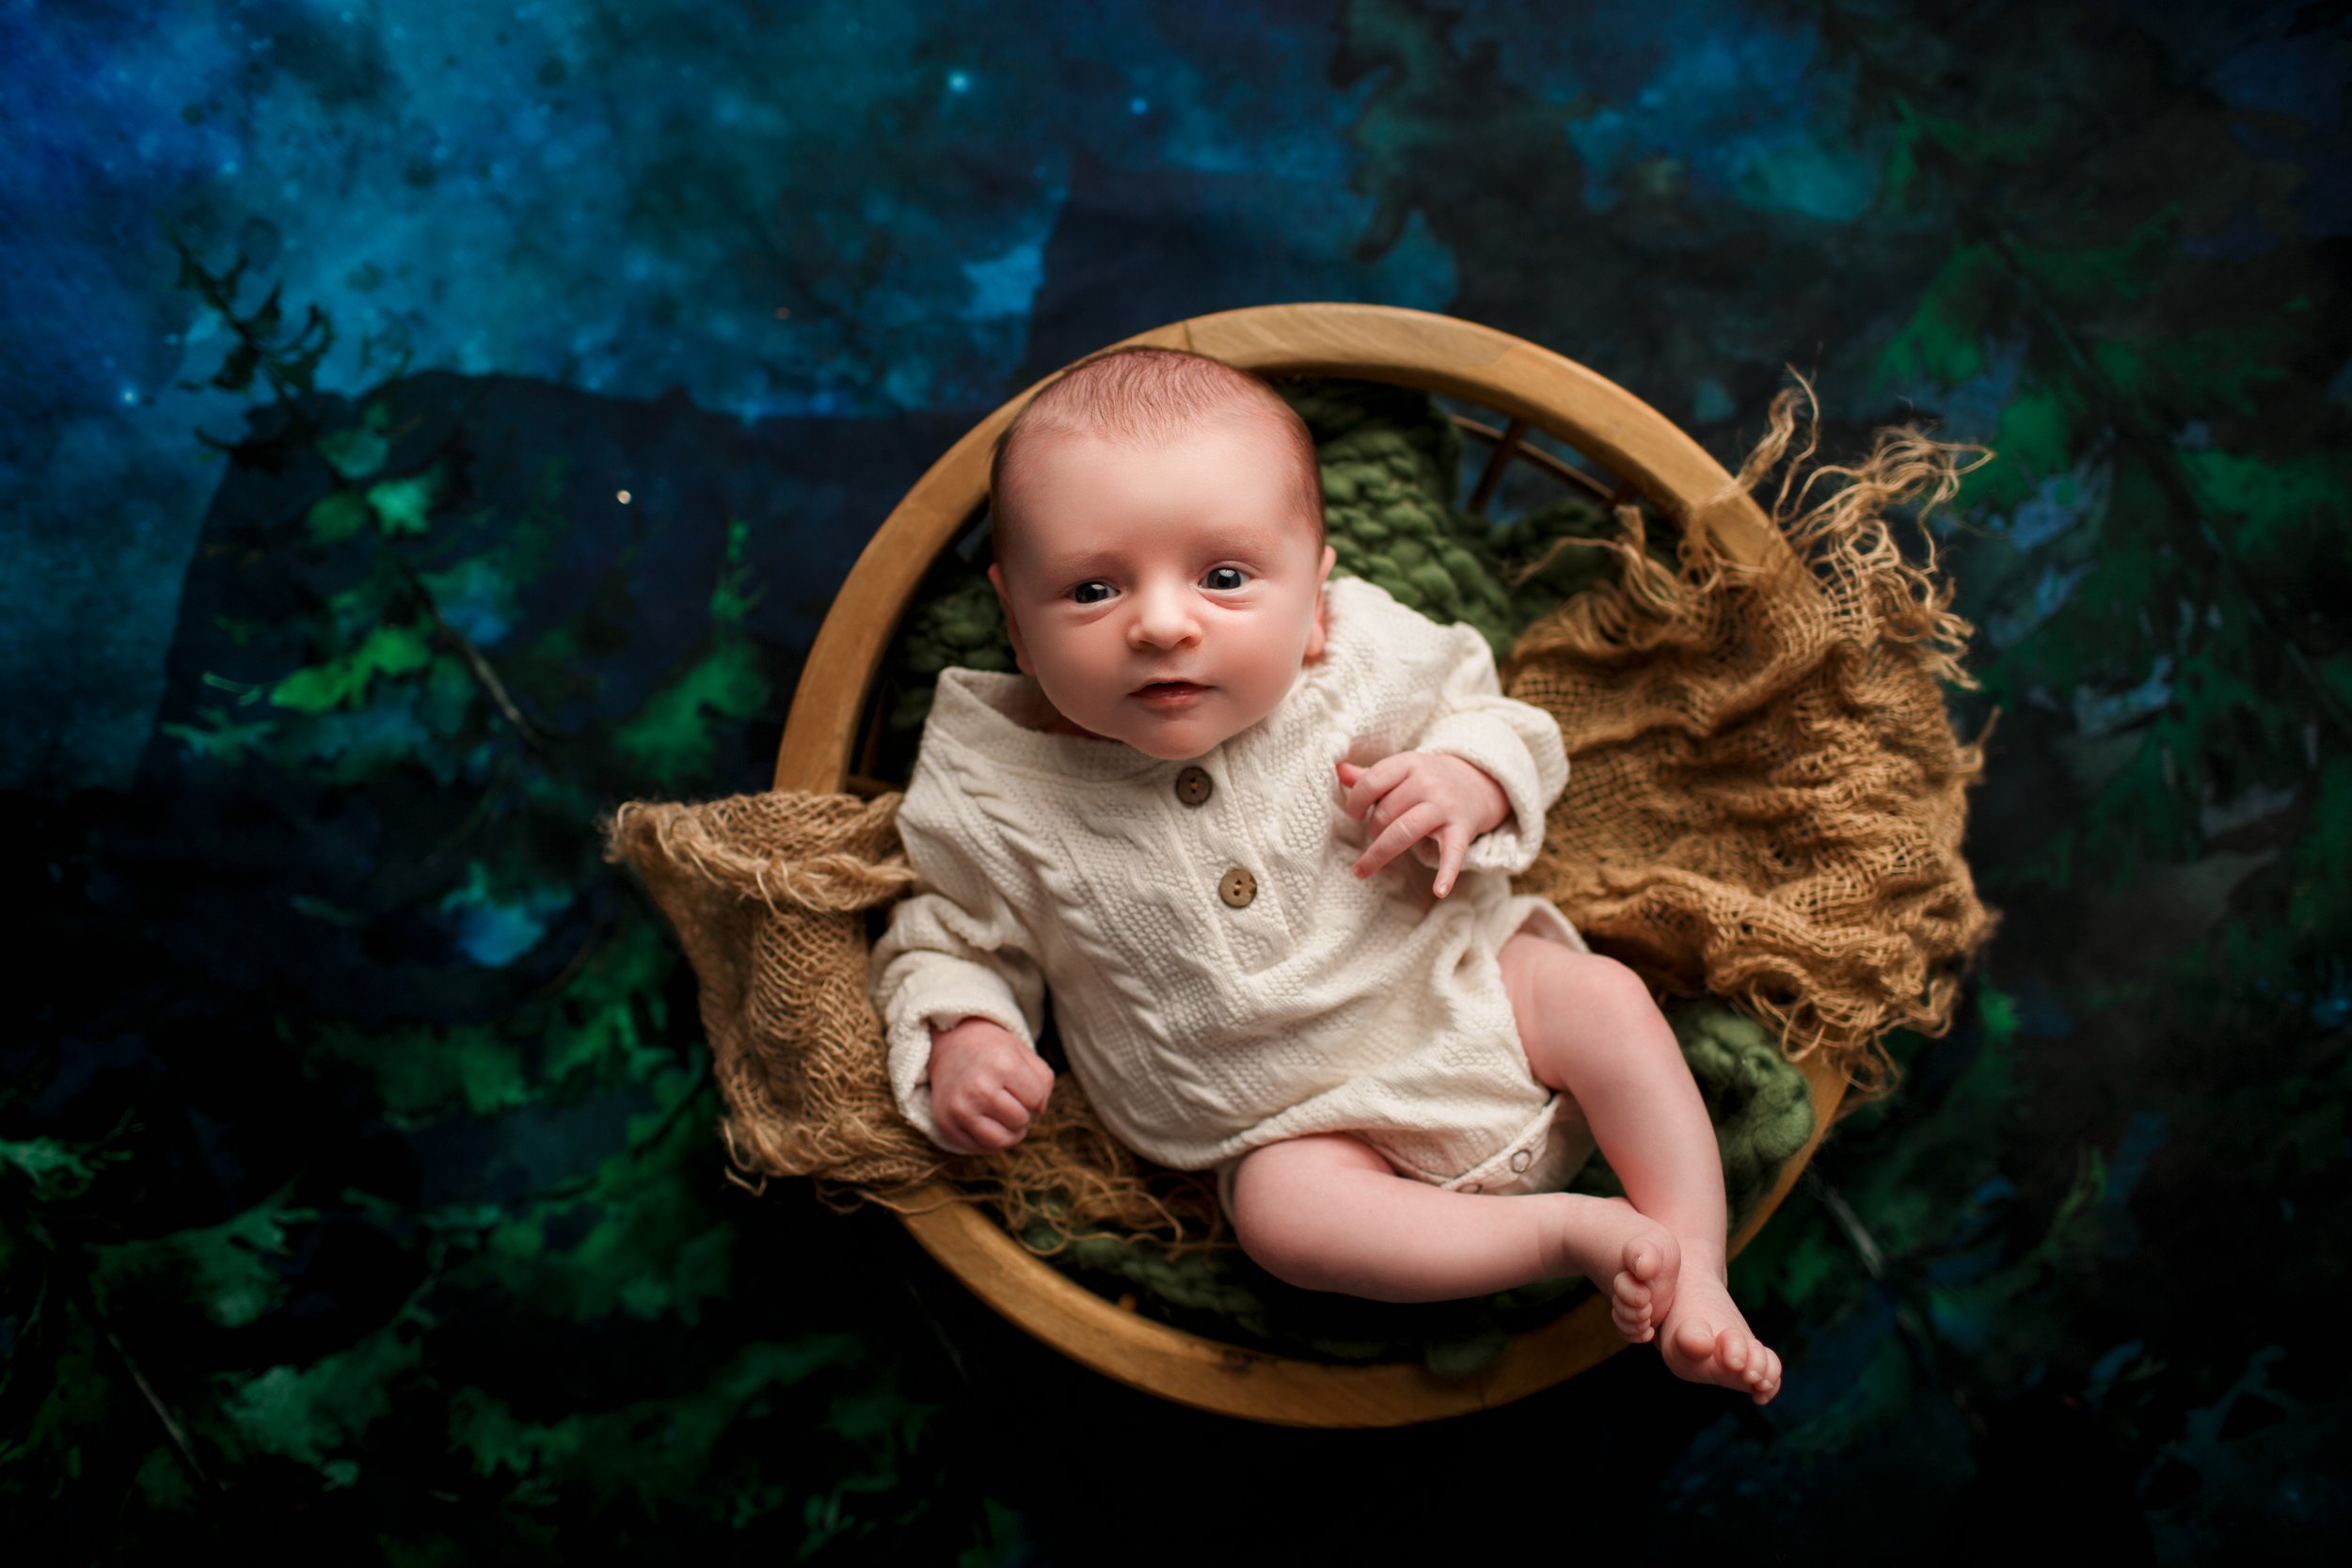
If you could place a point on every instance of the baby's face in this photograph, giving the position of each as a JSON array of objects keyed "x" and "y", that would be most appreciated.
[{"x": 1164, "y": 597}]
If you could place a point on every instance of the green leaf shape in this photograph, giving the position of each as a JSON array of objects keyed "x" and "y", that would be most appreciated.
[
  {"x": 674, "y": 738},
  {"x": 75, "y": 1395},
  {"x": 163, "y": 1483},
  {"x": 421, "y": 1073},
  {"x": 387, "y": 651},
  {"x": 1805, "y": 1260},
  {"x": 359, "y": 450},
  {"x": 1976, "y": 143},
  {"x": 217, "y": 738},
  {"x": 317, "y": 1413},
  {"x": 430, "y": 723},
  {"x": 733, "y": 595},
  {"x": 404, "y": 506},
  {"x": 398, "y": 507},
  {"x": 640, "y": 1240},
  {"x": 2082, "y": 282},
  {"x": 57, "y": 1170},
  {"x": 605, "y": 1027},
  {"x": 654, "y": 1452},
  {"x": 608, "y": 1025},
  {"x": 337, "y": 516},
  {"x": 1961, "y": 307},
  {"x": 524, "y": 551},
  {"x": 474, "y": 597},
  {"x": 2036, "y": 437},
  {"x": 2320, "y": 862},
  {"x": 2191, "y": 364},
  {"x": 2289, "y": 512},
  {"x": 225, "y": 1270}
]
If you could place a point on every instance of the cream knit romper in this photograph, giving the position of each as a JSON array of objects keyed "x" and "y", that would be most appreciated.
[{"x": 1219, "y": 976}]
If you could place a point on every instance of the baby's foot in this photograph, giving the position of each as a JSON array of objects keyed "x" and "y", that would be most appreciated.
[
  {"x": 1705, "y": 1340},
  {"x": 1629, "y": 1257}
]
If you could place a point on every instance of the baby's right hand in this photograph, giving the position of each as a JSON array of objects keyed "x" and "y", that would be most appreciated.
[{"x": 985, "y": 1086}]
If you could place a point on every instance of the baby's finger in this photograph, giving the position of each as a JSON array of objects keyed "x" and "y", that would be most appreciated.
[
  {"x": 1036, "y": 1085},
  {"x": 1453, "y": 845},
  {"x": 1398, "y": 837},
  {"x": 1375, "y": 782},
  {"x": 993, "y": 1136},
  {"x": 1006, "y": 1109},
  {"x": 974, "y": 1133}
]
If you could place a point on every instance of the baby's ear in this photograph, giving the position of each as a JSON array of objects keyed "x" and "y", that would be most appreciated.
[
  {"x": 1013, "y": 627},
  {"x": 1316, "y": 636}
]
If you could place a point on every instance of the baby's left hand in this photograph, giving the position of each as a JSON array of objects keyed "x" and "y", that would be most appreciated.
[{"x": 1414, "y": 798}]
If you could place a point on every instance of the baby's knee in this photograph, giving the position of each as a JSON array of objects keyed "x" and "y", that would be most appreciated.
[
  {"x": 1272, "y": 1203},
  {"x": 1549, "y": 978},
  {"x": 1604, "y": 983},
  {"x": 1264, "y": 1224}
]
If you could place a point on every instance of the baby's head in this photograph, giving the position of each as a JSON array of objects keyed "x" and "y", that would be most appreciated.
[{"x": 1157, "y": 518}]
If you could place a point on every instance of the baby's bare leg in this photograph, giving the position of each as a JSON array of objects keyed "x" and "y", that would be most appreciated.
[
  {"x": 1591, "y": 1030},
  {"x": 1326, "y": 1212}
]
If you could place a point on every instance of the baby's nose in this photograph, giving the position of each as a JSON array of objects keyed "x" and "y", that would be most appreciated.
[{"x": 1163, "y": 619}]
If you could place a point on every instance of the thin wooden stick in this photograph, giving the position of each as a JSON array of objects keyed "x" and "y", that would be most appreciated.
[
  {"x": 1519, "y": 447},
  {"x": 1504, "y": 446}
]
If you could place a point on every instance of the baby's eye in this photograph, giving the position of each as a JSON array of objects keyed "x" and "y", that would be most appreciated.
[
  {"x": 1215, "y": 577},
  {"x": 1090, "y": 592}
]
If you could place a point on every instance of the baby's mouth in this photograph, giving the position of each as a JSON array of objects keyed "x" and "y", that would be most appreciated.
[{"x": 1167, "y": 688}]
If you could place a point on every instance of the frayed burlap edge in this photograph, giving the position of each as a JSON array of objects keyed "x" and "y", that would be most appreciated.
[{"x": 1767, "y": 800}]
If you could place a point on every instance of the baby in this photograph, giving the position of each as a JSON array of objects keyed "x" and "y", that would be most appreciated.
[{"x": 1189, "y": 816}]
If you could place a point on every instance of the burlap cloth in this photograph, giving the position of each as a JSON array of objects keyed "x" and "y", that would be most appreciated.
[{"x": 1765, "y": 804}]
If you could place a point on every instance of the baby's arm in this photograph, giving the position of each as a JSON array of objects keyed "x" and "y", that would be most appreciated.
[
  {"x": 1453, "y": 768},
  {"x": 957, "y": 985}
]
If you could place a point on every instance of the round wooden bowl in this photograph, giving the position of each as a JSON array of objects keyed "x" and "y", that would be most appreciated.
[{"x": 1529, "y": 387}]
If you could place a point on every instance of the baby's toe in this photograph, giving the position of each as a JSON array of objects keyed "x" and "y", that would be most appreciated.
[
  {"x": 1695, "y": 1341},
  {"x": 1649, "y": 1258},
  {"x": 1634, "y": 1326},
  {"x": 1631, "y": 1294}
]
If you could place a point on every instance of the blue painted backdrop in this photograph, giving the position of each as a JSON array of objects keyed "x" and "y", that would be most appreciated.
[{"x": 424, "y": 427}]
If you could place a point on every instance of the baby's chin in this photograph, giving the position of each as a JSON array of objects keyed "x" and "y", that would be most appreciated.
[
  {"x": 1184, "y": 752},
  {"x": 1182, "y": 742}
]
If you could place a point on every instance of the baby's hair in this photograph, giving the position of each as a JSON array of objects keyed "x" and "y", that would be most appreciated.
[{"x": 1143, "y": 394}]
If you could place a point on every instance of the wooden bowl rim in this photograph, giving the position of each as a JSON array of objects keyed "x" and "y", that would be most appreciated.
[{"x": 1443, "y": 354}]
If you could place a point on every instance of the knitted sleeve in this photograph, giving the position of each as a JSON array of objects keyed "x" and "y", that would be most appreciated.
[
  {"x": 1438, "y": 683},
  {"x": 956, "y": 948},
  {"x": 1514, "y": 743}
]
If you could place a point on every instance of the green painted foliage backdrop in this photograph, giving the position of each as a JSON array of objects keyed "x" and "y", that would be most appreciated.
[{"x": 357, "y": 1187}]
